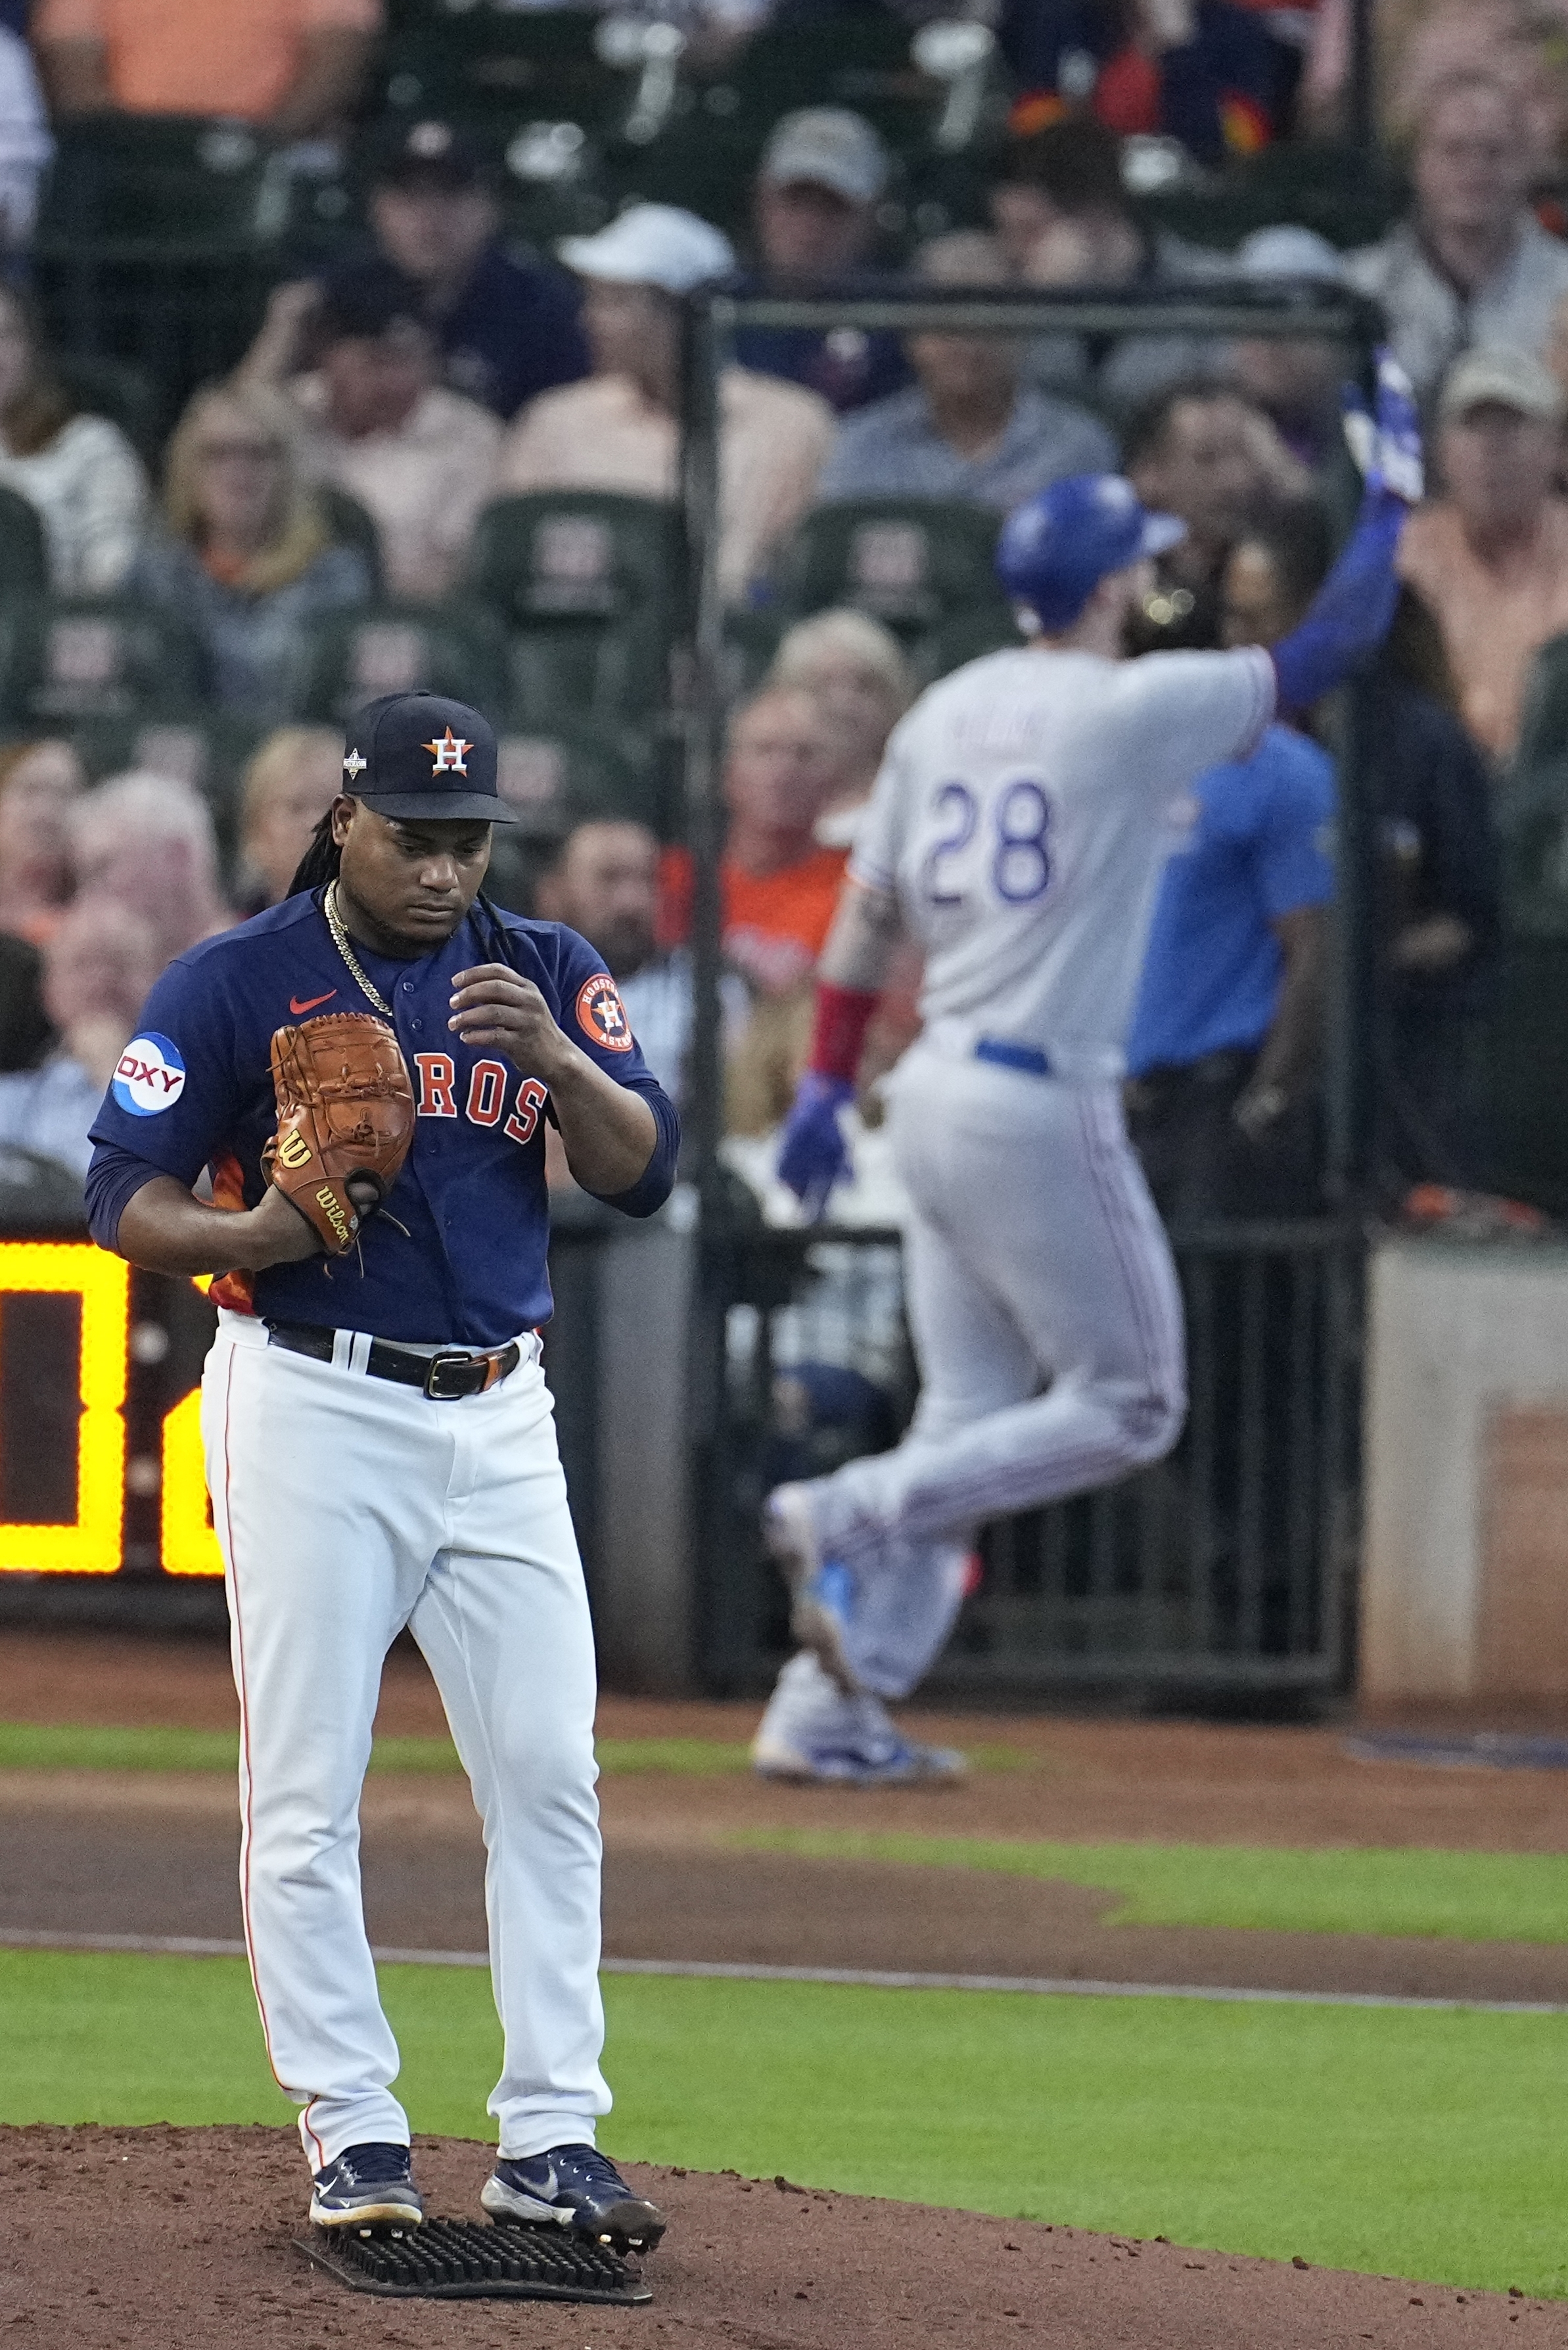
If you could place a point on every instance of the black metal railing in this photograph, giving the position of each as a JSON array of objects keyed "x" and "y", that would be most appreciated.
[{"x": 1224, "y": 1567}]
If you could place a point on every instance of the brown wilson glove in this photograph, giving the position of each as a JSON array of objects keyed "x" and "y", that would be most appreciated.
[{"x": 345, "y": 1113}]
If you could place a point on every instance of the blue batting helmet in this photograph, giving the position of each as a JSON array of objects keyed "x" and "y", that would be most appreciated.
[{"x": 1057, "y": 546}]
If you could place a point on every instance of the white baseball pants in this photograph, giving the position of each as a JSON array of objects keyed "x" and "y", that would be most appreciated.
[
  {"x": 1047, "y": 1325},
  {"x": 347, "y": 1507}
]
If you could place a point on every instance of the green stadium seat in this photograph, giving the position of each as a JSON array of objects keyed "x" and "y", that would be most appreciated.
[
  {"x": 452, "y": 649},
  {"x": 24, "y": 561},
  {"x": 859, "y": 60},
  {"x": 113, "y": 388},
  {"x": 141, "y": 179},
  {"x": 751, "y": 640},
  {"x": 915, "y": 564},
  {"x": 489, "y": 63},
  {"x": 1346, "y": 196},
  {"x": 582, "y": 581},
  {"x": 65, "y": 661},
  {"x": 988, "y": 629},
  {"x": 563, "y": 773},
  {"x": 554, "y": 780}
]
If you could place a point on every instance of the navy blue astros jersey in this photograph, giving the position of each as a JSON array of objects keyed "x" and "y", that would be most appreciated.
[{"x": 194, "y": 1090}]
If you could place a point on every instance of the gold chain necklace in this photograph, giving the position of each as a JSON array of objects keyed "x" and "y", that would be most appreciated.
[{"x": 340, "y": 941}]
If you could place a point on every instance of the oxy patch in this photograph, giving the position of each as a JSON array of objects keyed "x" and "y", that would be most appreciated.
[{"x": 149, "y": 1075}]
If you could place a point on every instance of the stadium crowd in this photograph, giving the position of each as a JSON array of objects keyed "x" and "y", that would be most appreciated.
[{"x": 449, "y": 458}]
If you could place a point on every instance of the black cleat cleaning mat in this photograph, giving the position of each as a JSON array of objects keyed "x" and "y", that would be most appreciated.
[{"x": 464, "y": 2260}]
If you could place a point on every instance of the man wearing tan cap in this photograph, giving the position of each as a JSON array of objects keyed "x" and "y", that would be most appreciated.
[{"x": 1489, "y": 556}]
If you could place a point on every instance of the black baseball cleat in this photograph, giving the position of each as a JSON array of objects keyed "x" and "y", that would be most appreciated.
[
  {"x": 368, "y": 2187},
  {"x": 578, "y": 2188}
]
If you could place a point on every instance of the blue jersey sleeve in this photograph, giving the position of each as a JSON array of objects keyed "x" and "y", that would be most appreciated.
[
  {"x": 113, "y": 1180},
  {"x": 172, "y": 1098},
  {"x": 594, "y": 1017},
  {"x": 1291, "y": 848}
]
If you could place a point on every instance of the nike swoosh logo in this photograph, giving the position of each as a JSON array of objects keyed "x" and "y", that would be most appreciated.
[{"x": 310, "y": 1003}]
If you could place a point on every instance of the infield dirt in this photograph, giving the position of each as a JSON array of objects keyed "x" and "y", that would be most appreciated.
[{"x": 134, "y": 2239}]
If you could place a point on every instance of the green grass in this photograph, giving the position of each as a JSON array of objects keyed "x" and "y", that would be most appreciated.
[
  {"x": 1409, "y": 2142},
  {"x": 1475, "y": 1897},
  {"x": 72, "y": 1746},
  {"x": 69, "y": 1746}
]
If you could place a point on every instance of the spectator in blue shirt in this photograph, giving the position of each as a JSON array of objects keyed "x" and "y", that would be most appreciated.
[
  {"x": 823, "y": 174},
  {"x": 506, "y": 325},
  {"x": 969, "y": 427},
  {"x": 1225, "y": 1037}
]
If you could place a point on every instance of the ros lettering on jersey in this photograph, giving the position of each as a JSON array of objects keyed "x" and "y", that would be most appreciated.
[
  {"x": 487, "y": 1085},
  {"x": 438, "y": 1085}
]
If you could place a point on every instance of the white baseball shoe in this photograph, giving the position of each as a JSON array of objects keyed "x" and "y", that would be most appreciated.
[
  {"x": 821, "y": 1590},
  {"x": 812, "y": 1734}
]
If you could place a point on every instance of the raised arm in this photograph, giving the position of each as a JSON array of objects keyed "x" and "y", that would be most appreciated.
[{"x": 1350, "y": 614}]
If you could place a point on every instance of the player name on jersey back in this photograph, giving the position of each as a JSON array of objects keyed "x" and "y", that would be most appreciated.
[{"x": 1020, "y": 817}]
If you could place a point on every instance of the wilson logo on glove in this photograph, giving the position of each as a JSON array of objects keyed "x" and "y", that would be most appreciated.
[{"x": 344, "y": 1110}]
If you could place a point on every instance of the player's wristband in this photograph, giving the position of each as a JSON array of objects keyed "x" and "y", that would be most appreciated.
[{"x": 839, "y": 1032}]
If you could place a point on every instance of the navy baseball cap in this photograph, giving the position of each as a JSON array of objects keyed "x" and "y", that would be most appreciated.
[
  {"x": 1057, "y": 546},
  {"x": 421, "y": 758},
  {"x": 427, "y": 153}
]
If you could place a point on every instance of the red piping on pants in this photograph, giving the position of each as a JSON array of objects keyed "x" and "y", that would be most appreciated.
[{"x": 246, "y": 1744}]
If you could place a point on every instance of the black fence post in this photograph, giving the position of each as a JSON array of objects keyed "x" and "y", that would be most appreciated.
[
  {"x": 1361, "y": 110},
  {"x": 1354, "y": 1055},
  {"x": 700, "y": 688}
]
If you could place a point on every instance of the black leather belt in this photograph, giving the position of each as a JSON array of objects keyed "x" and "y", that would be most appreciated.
[{"x": 446, "y": 1376}]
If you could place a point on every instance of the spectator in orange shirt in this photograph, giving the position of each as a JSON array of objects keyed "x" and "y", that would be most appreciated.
[
  {"x": 779, "y": 888},
  {"x": 1489, "y": 556},
  {"x": 291, "y": 67}
]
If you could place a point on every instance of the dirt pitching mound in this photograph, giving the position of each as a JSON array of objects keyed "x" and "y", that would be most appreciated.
[{"x": 134, "y": 2239}]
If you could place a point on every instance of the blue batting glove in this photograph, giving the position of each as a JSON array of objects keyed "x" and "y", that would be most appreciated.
[
  {"x": 1386, "y": 444},
  {"x": 812, "y": 1154}
]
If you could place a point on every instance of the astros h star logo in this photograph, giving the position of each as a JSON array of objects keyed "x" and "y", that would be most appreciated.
[
  {"x": 602, "y": 1015},
  {"x": 451, "y": 754}
]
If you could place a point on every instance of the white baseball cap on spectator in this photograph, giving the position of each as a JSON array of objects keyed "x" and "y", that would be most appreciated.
[
  {"x": 1500, "y": 377},
  {"x": 651, "y": 244},
  {"x": 1290, "y": 252},
  {"x": 828, "y": 147}
]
